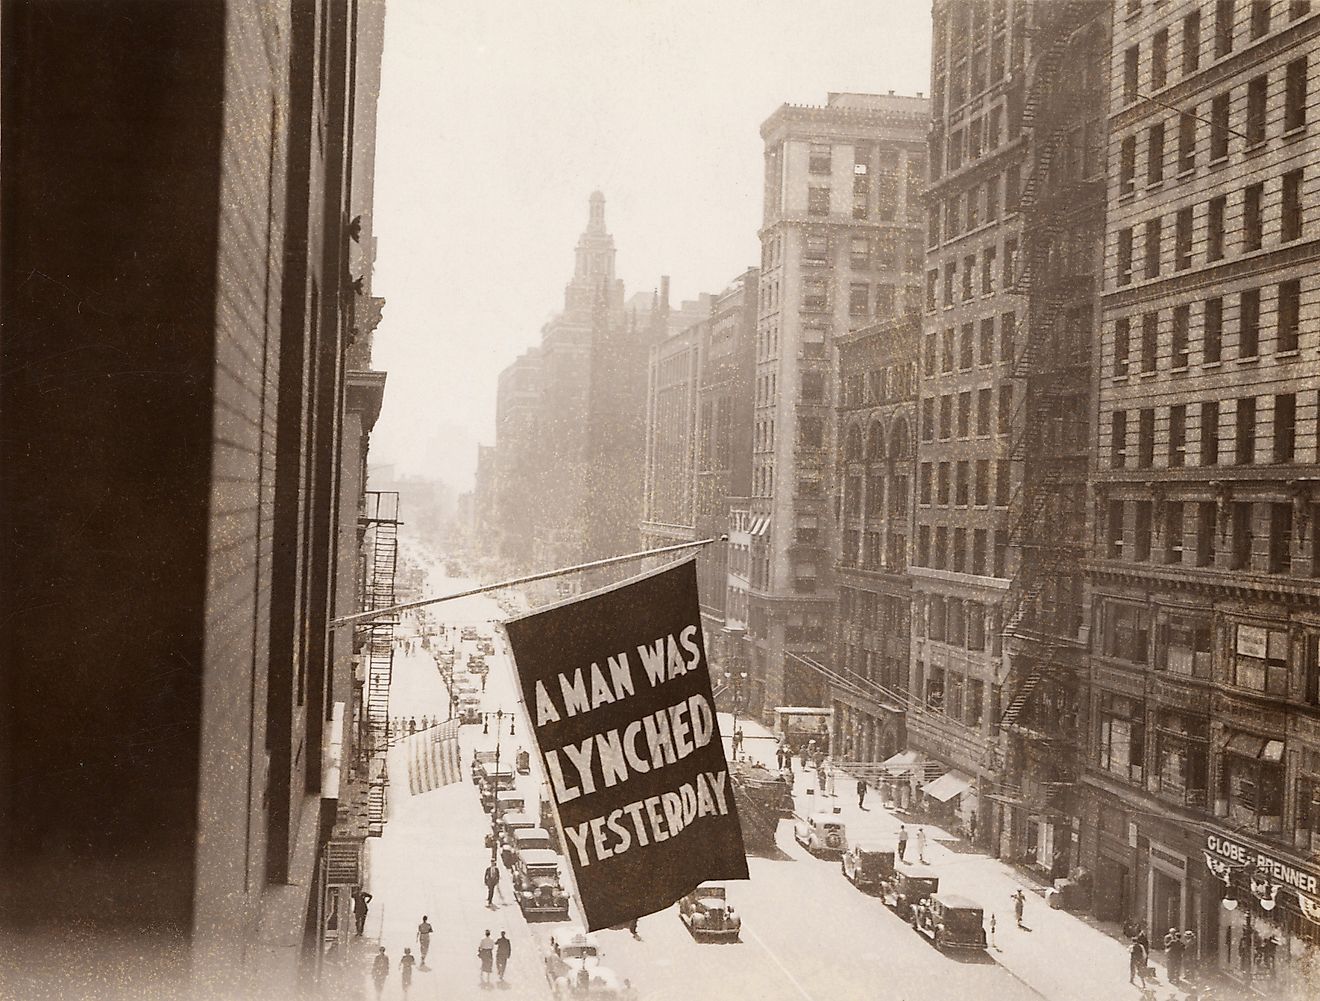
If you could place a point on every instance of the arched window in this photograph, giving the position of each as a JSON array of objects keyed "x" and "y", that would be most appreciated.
[
  {"x": 875, "y": 443},
  {"x": 900, "y": 441},
  {"x": 852, "y": 450}
]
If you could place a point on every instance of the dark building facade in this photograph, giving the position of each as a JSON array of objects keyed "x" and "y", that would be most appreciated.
[{"x": 179, "y": 315}]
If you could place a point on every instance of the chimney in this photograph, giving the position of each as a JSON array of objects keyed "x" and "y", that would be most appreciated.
[{"x": 664, "y": 292}]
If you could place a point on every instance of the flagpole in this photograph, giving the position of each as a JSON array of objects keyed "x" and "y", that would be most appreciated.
[{"x": 375, "y": 613}]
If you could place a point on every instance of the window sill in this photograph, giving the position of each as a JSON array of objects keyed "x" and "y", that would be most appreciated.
[
  {"x": 1154, "y": 185},
  {"x": 1121, "y": 378},
  {"x": 1218, "y": 161},
  {"x": 1256, "y": 148},
  {"x": 1186, "y": 173},
  {"x": 1211, "y": 364},
  {"x": 1252, "y": 360},
  {"x": 1149, "y": 375},
  {"x": 1294, "y": 133},
  {"x": 1289, "y": 354},
  {"x": 1178, "y": 369},
  {"x": 1127, "y": 196}
]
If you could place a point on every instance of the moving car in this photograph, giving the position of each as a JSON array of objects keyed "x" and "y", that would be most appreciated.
[
  {"x": 536, "y": 885},
  {"x": 909, "y": 885},
  {"x": 866, "y": 866},
  {"x": 571, "y": 949},
  {"x": 821, "y": 833},
  {"x": 708, "y": 914},
  {"x": 469, "y": 710},
  {"x": 952, "y": 922}
]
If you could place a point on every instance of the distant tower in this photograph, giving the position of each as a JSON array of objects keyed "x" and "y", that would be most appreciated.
[{"x": 595, "y": 257}]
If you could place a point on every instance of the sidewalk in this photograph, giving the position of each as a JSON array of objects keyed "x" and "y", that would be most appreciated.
[{"x": 1057, "y": 954}]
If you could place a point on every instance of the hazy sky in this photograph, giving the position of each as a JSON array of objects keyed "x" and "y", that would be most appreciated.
[{"x": 497, "y": 119}]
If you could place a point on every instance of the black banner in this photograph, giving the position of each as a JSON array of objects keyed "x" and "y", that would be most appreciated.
[{"x": 618, "y": 692}]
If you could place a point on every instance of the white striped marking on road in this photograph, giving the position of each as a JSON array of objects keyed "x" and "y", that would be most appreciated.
[{"x": 782, "y": 968}]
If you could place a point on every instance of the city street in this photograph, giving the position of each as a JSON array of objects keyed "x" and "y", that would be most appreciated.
[{"x": 807, "y": 932}]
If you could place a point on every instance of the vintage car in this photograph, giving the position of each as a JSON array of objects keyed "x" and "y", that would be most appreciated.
[
  {"x": 531, "y": 838},
  {"x": 573, "y": 967},
  {"x": 469, "y": 710},
  {"x": 571, "y": 948},
  {"x": 907, "y": 886},
  {"x": 476, "y": 664},
  {"x": 470, "y": 633},
  {"x": 480, "y": 758},
  {"x": 952, "y": 922},
  {"x": 508, "y": 802},
  {"x": 463, "y": 684},
  {"x": 536, "y": 885},
  {"x": 487, "y": 646},
  {"x": 866, "y": 866},
  {"x": 522, "y": 762},
  {"x": 708, "y": 914},
  {"x": 821, "y": 833}
]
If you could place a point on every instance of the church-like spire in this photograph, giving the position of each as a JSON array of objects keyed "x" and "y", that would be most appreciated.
[
  {"x": 595, "y": 248},
  {"x": 596, "y": 219}
]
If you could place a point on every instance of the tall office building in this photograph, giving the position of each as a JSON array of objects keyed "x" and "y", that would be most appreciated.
[{"x": 841, "y": 237}]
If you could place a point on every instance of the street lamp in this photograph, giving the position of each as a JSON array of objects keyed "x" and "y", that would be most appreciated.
[{"x": 499, "y": 715}]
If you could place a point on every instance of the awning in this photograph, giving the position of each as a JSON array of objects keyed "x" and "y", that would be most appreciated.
[
  {"x": 948, "y": 785},
  {"x": 1250, "y": 746},
  {"x": 902, "y": 762}
]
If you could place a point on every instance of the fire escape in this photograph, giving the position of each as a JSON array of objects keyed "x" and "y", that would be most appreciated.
[
  {"x": 380, "y": 523},
  {"x": 1043, "y": 610}
]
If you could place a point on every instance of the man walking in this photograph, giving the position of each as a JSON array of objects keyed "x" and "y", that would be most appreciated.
[
  {"x": 503, "y": 949},
  {"x": 902, "y": 843},
  {"x": 486, "y": 953},
  {"x": 405, "y": 969},
  {"x": 1019, "y": 905},
  {"x": 380, "y": 970},
  {"x": 361, "y": 899},
  {"x": 921, "y": 845},
  {"x": 861, "y": 794},
  {"x": 1137, "y": 963},
  {"x": 492, "y": 881},
  {"x": 424, "y": 939},
  {"x": 1173, "y": 955}
]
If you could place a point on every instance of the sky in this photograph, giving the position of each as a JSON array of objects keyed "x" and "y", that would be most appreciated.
[{"x": 496, "y": 121}]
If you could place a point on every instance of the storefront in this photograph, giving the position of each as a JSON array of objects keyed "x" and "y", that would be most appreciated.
[{"x": 1269, "y": 935}]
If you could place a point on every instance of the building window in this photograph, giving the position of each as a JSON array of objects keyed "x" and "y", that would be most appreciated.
[
  {"x": 1183, "y": 240},
  {"x": 942, "y": 490},
  {"x": 1144, "y": 527},
  {"x": 941, "y": 547},
  {"x": 1150, "y": 341},
  {"x": 1118, "y": 440},
  {"x": 1246, "y": 431},
  {"x": 932, "y": 283},
  {"x": 1257, "y": 89},
  {"x": 988, "y": 270},
  {"x": 983, "y": 411},
  {"x": 1182, "y": 757},
  {"x": 1210, "y": 433},
  {"x": 1187, "y": 141},
  {"x": 982, "y": 494},
  {"x": 1155, "y": 153},
  {"x": 1183, "y": 645},
  {"x": 817, "y": 249},
  {"x": 946, "y": 417},
  {"x": 1205, "y": 534},
  {"x": 1177, "y": 435},
  {"x": 815, "y": 294},
  {"x": 960, "y": 483},
  {"x": 1306, "y": 828},
  {"x": 1219, "y": 127},
  {"x": 1285, "y": 426},
  {"x": 1182, "y": 320},
  {"x": 1126, "y": 632},
  {"x": 1131, "y": 68},
  {"x": 1191, "y": 42},
  {"x": 1251, "y": 782},
  {"x": 1243, "y": 535},
  {"x": 1012, "y": 188},
  {"x": 1260, "y": 18},
  {"x": 1146, "y": 438},
  {"x": 926, "y": 478},
  {"x": 1249, "y": 323},
  {"x": 1127, "y": 165},
  {"x": 950, "y": 271},
  {"x": 964, "y": 414},
  {"x": 1125, "y": 256},
  {"x": 1214, "y": 330},
  {"x": 819, "y": 159},
  {"x": 818, "y": 201},
  {"x": 923, "y": 545},
  {"x": 1114, "y": 530},
  {"x": 986, "y": 346},
  {"x": 1154, "y": 231},
  {"x": 1223, "y": 27},
  {"x": 966, "y": 347},
  {"x": 1000, "y": 566},
  {"x": 811, "y": 432},
  {"x": 1298, "y": 8},
  {"x": 1281, "y": 533},
  {"x": 1215, "y": 228},
  {"x": 959, "y": 563},
  {"x": 1294, "y": 99},
  {"x": 1122, "y": 736},
  {"x": 1159, "y": 59},
  {"x": 946, "y": 350},
  {"x": 928, "y": 419},
  {"x": 969, "y": 273},
  {"x": 1005, "y": 416},
  {"x": 1003, "y": 469},
  {"x": 1173, "y": 532},
  {"x": 859, "y": 299},
  {"x": 1122, "y": 338},
  {"x": 1253, "y": 198},
  {"x": 1291, "y": 223},
  {"x": 992, "y": 199},
  {"x": 1007, "y": 333},
  {"x": 978, "y": 552},
  {"x": 1290, "y": 313}
]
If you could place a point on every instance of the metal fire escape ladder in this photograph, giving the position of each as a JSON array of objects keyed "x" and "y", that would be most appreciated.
[{"x": 381, "y": 520}]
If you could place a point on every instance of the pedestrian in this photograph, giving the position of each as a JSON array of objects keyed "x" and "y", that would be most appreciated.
[
  {"x": 503, "y": 949},
  {"x": 861, "y": 794},
  {"x": 1137, "y": 962},
  {"x": 1019, "y": 905},
  {"x": 483, "y": 683},
  {"x": 1189, "y": 954},
  {"x": 380, "y": 970},
  {"x": 1173, "y": 955},
  {"x": 405, "y": 968},
  {"x": 632, "y": 927},
  {"x": 361, "y": 899},
  {"x": 971, "y": 827},
  {"x": 902, "y": 843},
  {"x": 737, "y": 740},
  {"x": 424, "y": 938},
  {"x": 492, "y": 881},
  {"x": 486, "y": 953},
  {"x": 1143, "y": 938},
  {"x": 820, "y": 779},
  {"x": 921, "y": 844},
  {"x": 802, "y": 757},
  {"x": 412, "y": 724}
]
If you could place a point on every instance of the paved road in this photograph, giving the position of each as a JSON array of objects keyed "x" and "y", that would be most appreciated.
[{"x": 809, "y": 935}]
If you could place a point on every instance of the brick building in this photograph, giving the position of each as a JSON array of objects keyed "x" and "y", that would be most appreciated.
[
  {"x": 517, "y": 420},
  {"x": 185, "y": 410},
  {"x": 840, "y": 238},
  {"x": 1204, "y": 740}
]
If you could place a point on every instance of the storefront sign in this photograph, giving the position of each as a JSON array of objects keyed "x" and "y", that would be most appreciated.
[
  {"x": 1220, "y": 849},
  {"x": 618, "y": 690}
]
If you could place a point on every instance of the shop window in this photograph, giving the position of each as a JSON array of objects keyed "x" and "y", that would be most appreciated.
[
  {"x": 1184, "y": 645},
  {"x": 1122, "y": 744},
  {"x": 1251, "y": 783},
  {"x": 1126, "y": 632},
  {"x": 1260, "y": 661}
]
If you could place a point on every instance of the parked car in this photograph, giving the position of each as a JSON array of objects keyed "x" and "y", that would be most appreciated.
[
  {"x": 509, "y": 824},
  {"x": 909, "y": 885},
  {"x": 469, "y": 710},
  {"x": 536, "y": 885},
  {"x": 821, "y": 833},
  {"x": 708, "y": 914},
  {"x": 952, "y": 922},
  {"x": 470, "y": 633},
  {"x": 479, "y": 759},
  {"x": 866, "y": 866}
]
